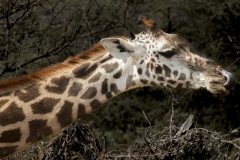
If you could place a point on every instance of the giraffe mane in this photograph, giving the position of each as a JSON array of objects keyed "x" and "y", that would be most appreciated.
[{"x": 35, "y": 77}]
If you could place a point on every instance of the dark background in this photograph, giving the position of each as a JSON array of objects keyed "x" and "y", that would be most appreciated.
[{"x": 35, "y": 34}]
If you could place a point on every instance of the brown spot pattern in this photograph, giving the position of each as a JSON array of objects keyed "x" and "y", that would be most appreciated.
[
  {"x": 4, "y": 151},
  {"x": 196, "y": 62},
  {"x": 151, "y": 66},
  {"x": 148, "y": 65},
  {"x": 182, "y": 77},
  {"x": 147, "y": 73},
  {"x": 175, "y": 73},
  {"x": 109, "y": 95},
  {"x": 104, "y": 88},
  {"x": 158, "y": 69},
  {"x": 191, "y": 75},
  {"x": 171, "y": 82},
  {"x": 95, "y": 78},
  {"x": 11, "y": 115},
  {"x": 110, "y": 67},
  {"x": 32, "y": 92},
  {"x": 153, "y": 83},
  {"x": 75, "y": 89},
  {"x": 38, "y": 130},
  {"x": 61, "y": 85},
  {"x": 95, "y": 103},
  {"x": 160, "y": 79},
  {"x": 118, "y": 74},
  {"x": 10, "y": 136},
  {"x": 144, "y": 81},
  {"x": 179, "y": 85},
  {"x": 44, "y": 106},
  {"x": 106, "y": 59},
  {"x": 64, "y": 116},
  {"x": 85, "y": 70},
  {"x": 139, "y": 70},
  {"x": 188, "y": 84},
  {"x": 114, "y": 88},
  {"x": 90, "y": 93},
  {"x": 167, "y": 71},
  {"x": 81, "y": 110}
]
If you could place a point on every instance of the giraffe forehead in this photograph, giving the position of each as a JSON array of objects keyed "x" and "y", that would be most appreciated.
[
  {"x": 144, "y": 36},
  {"x": 155, "y": 43},
  {"x": 166, "y": 42}
]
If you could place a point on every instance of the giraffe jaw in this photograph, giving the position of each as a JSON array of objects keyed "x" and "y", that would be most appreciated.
[{"x": 199, "y": 81}]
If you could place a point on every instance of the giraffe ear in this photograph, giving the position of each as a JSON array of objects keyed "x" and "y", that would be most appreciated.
[{"x": 118, "y": 47}]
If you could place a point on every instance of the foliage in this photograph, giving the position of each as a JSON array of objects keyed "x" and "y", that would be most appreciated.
[{"x": 35, "y": 34}]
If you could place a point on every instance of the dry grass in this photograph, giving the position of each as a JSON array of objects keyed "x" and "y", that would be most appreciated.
[{"x": 78, "y": 141}]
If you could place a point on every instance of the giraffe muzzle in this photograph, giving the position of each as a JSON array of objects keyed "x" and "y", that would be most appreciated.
[{"x": 230, "y": 79}]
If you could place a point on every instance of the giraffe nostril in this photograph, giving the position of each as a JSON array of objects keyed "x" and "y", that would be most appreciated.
[{"x": 230, "y": 79}]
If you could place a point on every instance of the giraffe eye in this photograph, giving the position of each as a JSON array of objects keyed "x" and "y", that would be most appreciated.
[{"x": 168, "y": 54}]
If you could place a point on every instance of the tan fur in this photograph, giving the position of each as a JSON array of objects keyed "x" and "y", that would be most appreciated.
[{"x": 25, "y": 81}]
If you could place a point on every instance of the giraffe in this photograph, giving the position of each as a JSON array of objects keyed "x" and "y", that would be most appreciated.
[{"x": 35, "y": 106}]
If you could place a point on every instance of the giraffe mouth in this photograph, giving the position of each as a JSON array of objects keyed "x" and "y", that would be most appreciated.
[{"x": 230, "y": 79}]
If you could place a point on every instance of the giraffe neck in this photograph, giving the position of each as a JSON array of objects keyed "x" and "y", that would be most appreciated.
[{"x": 29, "y": 114}]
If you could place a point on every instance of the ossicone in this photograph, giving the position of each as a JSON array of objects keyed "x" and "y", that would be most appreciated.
[{"x": 148, "y": 22}]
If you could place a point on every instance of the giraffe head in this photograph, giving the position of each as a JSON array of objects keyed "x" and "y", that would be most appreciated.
[{"x": 168, "y": 60}]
